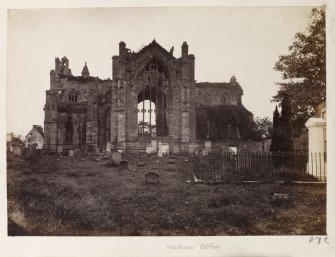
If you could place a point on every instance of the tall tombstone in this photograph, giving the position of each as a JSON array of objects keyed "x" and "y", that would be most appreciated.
[
  {"x": 316, "y": 148},
  {"x": 71, "y": 153},
  {"x": 108, "y": 147},
  {"x": 164, "y": 149},
  {"x": 116, "y": 157},
  {"x": 208, "y": 145},
  {"x": 151, "y": 148},
  {"x": 59, "y": 148},
  {"x": 154, "y": 144}
]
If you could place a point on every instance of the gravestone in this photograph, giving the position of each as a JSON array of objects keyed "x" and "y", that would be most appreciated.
[
  {"x": 108, "y": 147},
  {"x": 172, "y": 167},
  {"x": 208, "y": 145},
  {"x": 71, "y": 153},
  {"x": 163, "y": 149},
  {"x": 171, "y": 164},
  {"x": 154, "y": 143},
  {"x": 204, "y": 152},
  {"x": 116, "y": 157},
  {"x": 123, "y": 165},
  {"x": 59, "y": 148},
  {"x": 233, "y": 149},
  {"x": 192, "y": 148},
  {"x": 152, "y": 147},
  {"x": 78, "y": 154},
  {"x": 277, "y": 196},
  {"x": 151, "y": 178}
]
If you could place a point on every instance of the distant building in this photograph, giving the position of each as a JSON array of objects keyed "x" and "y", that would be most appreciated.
[
  {"x": 35, "y": 136},
  {"x": 14, "y": 144},
  {"x": 9, "y": 140}
]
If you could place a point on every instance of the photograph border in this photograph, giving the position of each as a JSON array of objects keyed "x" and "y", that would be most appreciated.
[{"x": 158, "y": 246}]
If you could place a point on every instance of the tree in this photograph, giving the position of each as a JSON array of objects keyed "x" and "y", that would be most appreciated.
[
  {"x": 264, "y": 127},
  {"x": 304, "y": 71},
  {"x": 225, "y": 122},
  {"x": 275, "y": 133},
  {"x": 145, "y": 128},
  {"x": 285, "y": 137},
  {"x": 281, "y": 136}
]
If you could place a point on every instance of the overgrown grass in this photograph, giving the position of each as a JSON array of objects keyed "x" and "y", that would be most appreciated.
[{"x": 67, "y": 196}]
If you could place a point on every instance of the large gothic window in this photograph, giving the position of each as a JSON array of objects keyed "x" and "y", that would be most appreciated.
[
  {"x": 152, "y": 100},
  {"x": 146, "y": 118}
]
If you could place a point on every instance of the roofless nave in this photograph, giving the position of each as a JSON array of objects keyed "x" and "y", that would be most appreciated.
[{"x": 152, "y": 96}]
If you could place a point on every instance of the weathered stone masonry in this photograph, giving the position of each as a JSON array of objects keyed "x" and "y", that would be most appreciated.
[{"x": 88, "y": 113}]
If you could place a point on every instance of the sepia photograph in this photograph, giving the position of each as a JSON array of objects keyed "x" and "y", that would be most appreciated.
[{"x": 167, "y": 121}]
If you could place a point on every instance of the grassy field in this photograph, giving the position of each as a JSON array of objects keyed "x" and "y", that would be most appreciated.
[{"x": 68, "y": 196}]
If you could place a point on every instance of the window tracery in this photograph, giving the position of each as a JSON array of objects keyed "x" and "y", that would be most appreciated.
[{"x": 153, "y": 85}]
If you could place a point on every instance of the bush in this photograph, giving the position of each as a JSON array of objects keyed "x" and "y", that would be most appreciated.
[{"x": 226, "y": 122}]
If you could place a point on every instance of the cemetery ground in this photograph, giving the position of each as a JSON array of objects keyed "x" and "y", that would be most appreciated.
[{"x": 78, "y": 196}]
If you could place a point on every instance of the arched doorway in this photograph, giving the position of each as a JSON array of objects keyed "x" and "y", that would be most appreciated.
[{"x": 152, "y": 100}]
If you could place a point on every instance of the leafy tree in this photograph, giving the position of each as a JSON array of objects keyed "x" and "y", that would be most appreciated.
[
  {"x": 225, "y": 123},
  {"x": 304, "y": 71},
  {"x": 281, "y": 136},
  {"x": 145, "y": 128},
  {"x": 264, "y": 127},
  {"x": 202, "y": 124}
]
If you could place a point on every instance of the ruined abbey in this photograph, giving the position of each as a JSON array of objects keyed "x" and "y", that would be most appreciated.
[{"x": 152, "y": 95}]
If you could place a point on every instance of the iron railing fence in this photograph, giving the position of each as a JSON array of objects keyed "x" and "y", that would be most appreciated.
[{"x": 260, "y": 166}]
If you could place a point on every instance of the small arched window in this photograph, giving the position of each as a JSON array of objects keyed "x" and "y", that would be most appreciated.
[{"x": 73, "y": 97}]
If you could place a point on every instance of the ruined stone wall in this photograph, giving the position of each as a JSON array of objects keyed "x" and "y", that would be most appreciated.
[
  {"x": 218, "y": 94},
  {"x": 50, "y": 121},
  {"x": 179, "y": 95},
  {"x": 72, "y": 110},
  {"x": 86, "y": 112}
]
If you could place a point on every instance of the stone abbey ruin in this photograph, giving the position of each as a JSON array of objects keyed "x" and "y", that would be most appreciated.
[{"x": 152, "y": 96}]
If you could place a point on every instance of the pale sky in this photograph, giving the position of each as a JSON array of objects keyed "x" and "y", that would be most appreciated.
[{"x": 240, "y": 41}]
